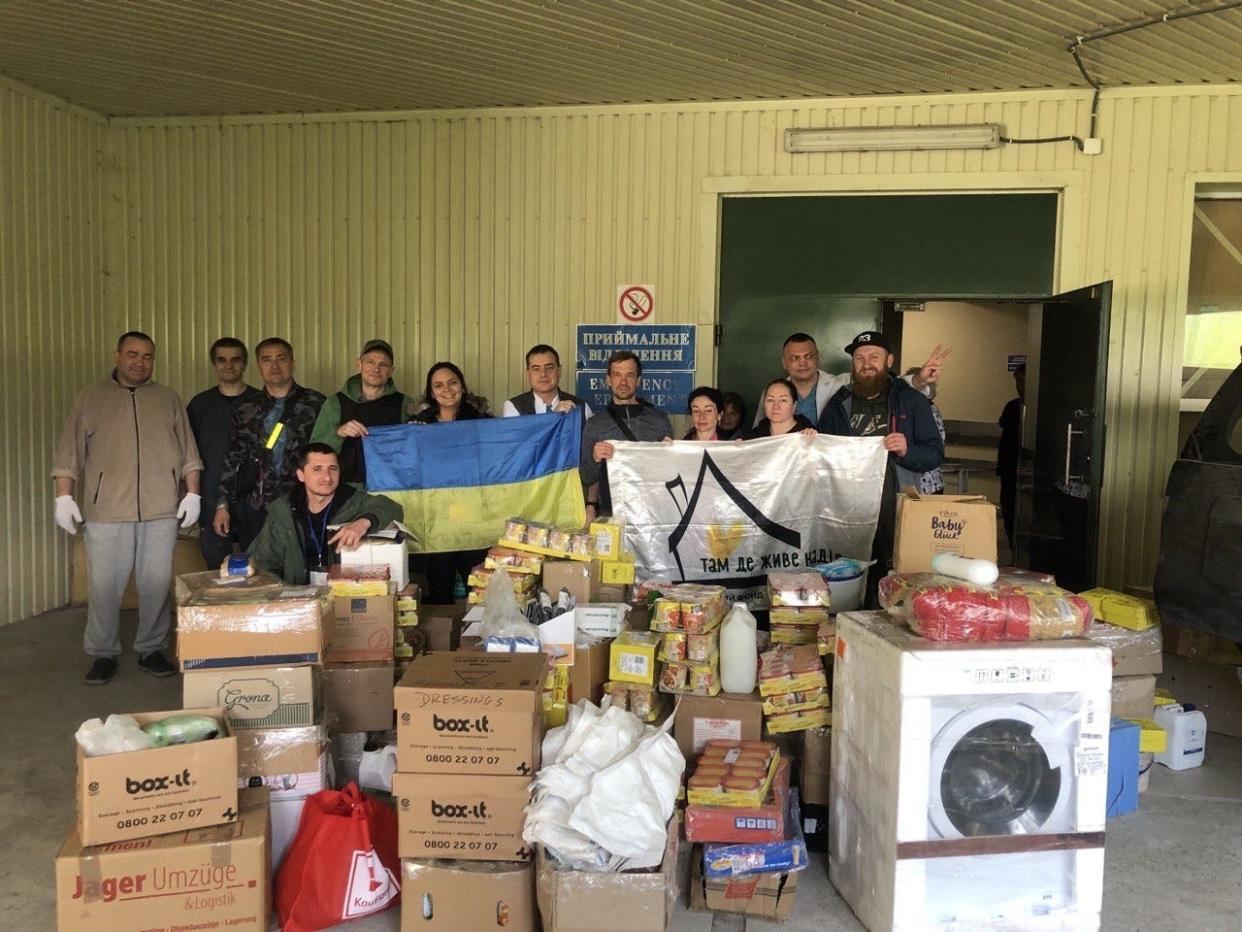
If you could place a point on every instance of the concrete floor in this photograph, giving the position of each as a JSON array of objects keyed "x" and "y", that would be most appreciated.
[{"x": 1174, "y": 864}]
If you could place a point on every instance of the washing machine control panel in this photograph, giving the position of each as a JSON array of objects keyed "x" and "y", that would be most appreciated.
[{"x": 1009, "y": 674}]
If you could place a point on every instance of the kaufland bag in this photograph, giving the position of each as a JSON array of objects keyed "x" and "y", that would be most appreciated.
[{"x": 342, "y": 864}]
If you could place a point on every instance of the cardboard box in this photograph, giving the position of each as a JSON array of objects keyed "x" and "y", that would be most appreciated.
[
  {"x": 443, "y": 896},
  {"x": 474, "y": 713},
  {"x": 358, "y": 696},
  {"x": 765, "y": 896},
  {"x": 932, "y": 524},
  {"x": 589, "y": 673},
  {"x": 260, "y": 622},
  {"x": 600, "y": 619},
  {"x": 1187, "y": 642},
  {"x": 632, "y": 658},
  {"x": 580, "y": 579},
  {"x": 619, "y": 572},
  {"x": 573, "y": 901},
  {"x": 728, "y": 716},
  {"x": 613, "y": 593},
  {"x": 187, "y": 558},
  {"x": 816, "y": 765},
  {"x": 463, "y": 816},
  {"x": 1214, "y": 689},
  {"x": 1134, "y": 696},
  {"x": 442, "y": 624},
  {"x": 384, "y": 548},
  {"x": 169, "y": 789},
  {"x": 219, "y": 877},
  {"x": 256, "y": 697},
  {"x": 363, "y": 629},
  {"x": 290, "y": 762},
  {"x": 1117, "y": 608},
  {"x": 1135, "y": 653}
]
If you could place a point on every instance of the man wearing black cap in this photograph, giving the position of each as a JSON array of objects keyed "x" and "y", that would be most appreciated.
[
  {"x": 368, "y": 399},
  {"x": 876, "y": 404}
]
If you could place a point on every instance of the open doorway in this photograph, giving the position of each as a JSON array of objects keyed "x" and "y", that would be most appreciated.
[{"x": 835, "y": 264}]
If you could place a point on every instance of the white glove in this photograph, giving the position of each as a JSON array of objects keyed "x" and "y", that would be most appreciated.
[
  {"x": 67, "y": 513},
  {"x": 187, "y": 511}
]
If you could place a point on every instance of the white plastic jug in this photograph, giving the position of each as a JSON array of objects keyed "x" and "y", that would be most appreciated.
[
  {"x": 1187, "y": 731},
  {"x": 739, "y": 651}
]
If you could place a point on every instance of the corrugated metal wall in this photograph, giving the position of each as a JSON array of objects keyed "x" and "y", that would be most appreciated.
[
  {"x": 472, "y": 235},
  {"x": 51, "y": 324}
]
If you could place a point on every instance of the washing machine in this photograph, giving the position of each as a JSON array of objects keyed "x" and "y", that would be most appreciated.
[{"x": 968, "y": 781}]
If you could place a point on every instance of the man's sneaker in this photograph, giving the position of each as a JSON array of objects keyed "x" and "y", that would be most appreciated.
[
  {"x": 156, "y": 664},
  {"x": 101, "y": 671}
]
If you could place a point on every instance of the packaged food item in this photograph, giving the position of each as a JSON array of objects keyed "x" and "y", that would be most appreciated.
[
  {"x": 632, "y": 657},
  {"x": 644, "y": 701},
  {"x": 796, "y": 701},
  {"x": 726, "y": 861},
  {"x": 674, "y": 677},
  {"x": 559, "y": 539},
  {"x": 791, "y": 669},
  {"x": 783, "y": 615},
  {"x": 698, "y": 678},
  {"x": 666, "y": 615},
  {"x": 733, "y": 774},
  {"x": 798, "y": 589},
  {"x": 580, "y": 544},
  {"x": 673, "y": 646},
  {"x": 826, "y": 638},
  {"x": 793, "y": 634},
  {"x": 515, "y": 531},
  {"x": 762, "y": 823},
  {"x": 798, "y": 721},
  {"x": 514, "y": 561},
  {"x": 537, "y": 534},
  {"x": 946, "y": 609},
  {"x": 700, "y": 647}
]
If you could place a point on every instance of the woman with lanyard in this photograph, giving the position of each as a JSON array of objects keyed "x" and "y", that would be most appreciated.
[{"x": 447, "y": 399}]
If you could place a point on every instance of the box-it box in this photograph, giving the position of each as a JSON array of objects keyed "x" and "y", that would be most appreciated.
[
  {"x": 461, "y": 816},
  {"x": 470, "y": 713},
  {"x": 932, "y": 524},
  {"x": 215, "y": 878},
  {"x": 159, "y": 790}
]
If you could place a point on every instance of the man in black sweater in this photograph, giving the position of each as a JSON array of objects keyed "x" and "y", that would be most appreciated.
[{"x": 210, "y": 413}]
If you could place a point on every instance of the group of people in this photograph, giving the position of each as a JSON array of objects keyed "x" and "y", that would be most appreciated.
[{"x": 278, "y": 471}]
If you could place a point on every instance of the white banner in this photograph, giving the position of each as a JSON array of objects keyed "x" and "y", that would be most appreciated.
[{"x": 730, "y": 513}]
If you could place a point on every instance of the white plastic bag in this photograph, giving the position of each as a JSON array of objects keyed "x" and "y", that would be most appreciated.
[{"x": 501, "y": 616}]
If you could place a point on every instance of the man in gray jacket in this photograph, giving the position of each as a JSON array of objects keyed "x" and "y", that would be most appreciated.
[{"x": 127, "y": 449}]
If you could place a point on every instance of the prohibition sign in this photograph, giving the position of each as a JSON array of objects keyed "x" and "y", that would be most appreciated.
[{"x": 635, "y": 303}]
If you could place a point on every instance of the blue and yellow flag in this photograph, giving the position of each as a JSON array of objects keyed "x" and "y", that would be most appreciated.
[{"x": 459, "y": 481}]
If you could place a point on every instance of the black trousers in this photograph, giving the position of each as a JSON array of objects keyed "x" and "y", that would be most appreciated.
[{"x": 442, "y": 570}]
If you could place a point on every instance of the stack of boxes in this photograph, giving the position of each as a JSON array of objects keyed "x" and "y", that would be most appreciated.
[
  {"x": 469, "y": 729},
  {"x": 163, "y": 839},
  {"x": 688, "y": 618},
  {"x": 256, "y": 648}
]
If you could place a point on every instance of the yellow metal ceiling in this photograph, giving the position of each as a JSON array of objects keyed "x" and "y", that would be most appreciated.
[{"x": 173, "y": 57}]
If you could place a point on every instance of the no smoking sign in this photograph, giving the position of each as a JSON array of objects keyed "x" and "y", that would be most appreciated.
[{"x": 636, "y": 303}]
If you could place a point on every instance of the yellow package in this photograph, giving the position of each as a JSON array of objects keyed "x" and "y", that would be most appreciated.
[
  {"x": 1152, "y": 738},
  {"x": 798, "y": 721},
  {"x": 617, "y": 572},
  {"x": 632, "y": 657},
  {"x": 1117, "y": 608}
]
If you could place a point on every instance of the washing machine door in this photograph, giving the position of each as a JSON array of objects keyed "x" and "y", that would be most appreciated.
[{"x": 1001, "y": 769}]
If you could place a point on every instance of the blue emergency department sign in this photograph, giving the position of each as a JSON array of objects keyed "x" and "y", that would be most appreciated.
[{"x": 667, "y": 352}]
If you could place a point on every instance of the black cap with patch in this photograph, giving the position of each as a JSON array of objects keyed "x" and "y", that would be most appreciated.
[{"x": 869, "y": 338}]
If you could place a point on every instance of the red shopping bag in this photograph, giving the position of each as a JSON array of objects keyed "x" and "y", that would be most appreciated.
[{"x": 342, "y": 864}]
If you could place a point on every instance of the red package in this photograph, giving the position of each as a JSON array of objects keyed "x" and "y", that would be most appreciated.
[
  {"x": 1012, "y": 609},
  {"x": 737, "y": 824},
  {"x": 342, "y": 864}
]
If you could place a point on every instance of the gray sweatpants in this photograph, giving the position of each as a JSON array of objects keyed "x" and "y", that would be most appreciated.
[{"x": 113, "y": 551}]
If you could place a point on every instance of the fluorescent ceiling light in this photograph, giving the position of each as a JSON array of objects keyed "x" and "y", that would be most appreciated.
[{"x": 880, "y": 138}]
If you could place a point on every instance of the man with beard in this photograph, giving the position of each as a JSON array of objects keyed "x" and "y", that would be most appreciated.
[{"x": 878, "y": 405}]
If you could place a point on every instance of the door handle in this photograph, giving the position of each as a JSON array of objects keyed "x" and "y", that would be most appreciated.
[{"x": 1070, "y": 433}]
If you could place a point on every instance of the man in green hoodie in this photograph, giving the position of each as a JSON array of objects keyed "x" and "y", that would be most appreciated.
[
  {"x": 368, "y": 399},
  {"x": 307, "y": 529}
]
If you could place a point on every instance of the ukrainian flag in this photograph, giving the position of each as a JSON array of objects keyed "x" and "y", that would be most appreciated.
[{"x": 459, "y": 481}]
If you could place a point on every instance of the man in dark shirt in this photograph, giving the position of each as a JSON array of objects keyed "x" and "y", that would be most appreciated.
[
  {"x": 1007, "y": 453},
  {"x": 210, "y": 413},
  {"x": 878, "y": 405}
]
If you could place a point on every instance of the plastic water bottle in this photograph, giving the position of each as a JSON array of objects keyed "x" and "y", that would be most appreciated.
[
  {"x": 739, "y": 651},
  {"x": 1187, "y": 731}
]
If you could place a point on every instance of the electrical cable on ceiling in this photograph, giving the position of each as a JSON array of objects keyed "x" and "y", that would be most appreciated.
[{"x": 1105, "y": 33}]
